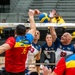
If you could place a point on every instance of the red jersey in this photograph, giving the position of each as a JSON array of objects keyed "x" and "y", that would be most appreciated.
[
  {"x": 15, "y": 57},
  {"x": 66, "y": 66}
]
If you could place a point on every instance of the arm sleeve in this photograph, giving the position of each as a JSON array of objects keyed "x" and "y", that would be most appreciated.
[
  {"x": 10, "y": 41},
  {"x": 60, "y": 67},
  {"x": 29, "y": 37},
  {"x": 57, "y": 42}
]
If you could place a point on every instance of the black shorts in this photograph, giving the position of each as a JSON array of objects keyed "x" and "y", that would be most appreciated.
[{"x": 19, "y": 73}]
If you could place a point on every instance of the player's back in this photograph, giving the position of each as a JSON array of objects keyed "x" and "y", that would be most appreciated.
[{"x": 70, "y": 64}]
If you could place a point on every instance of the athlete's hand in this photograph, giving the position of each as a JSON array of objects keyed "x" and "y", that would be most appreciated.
[
  {"x": 31, "y": 12},
  {"x": 46, "y": 71},
  {"x": 36, "y": 12}
]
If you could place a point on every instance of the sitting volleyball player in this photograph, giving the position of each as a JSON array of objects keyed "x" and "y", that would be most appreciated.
[
  {"x": 48, "y": 51},
  {"x": 64, "y": 46},
  {"x": 34, "y": 54}
]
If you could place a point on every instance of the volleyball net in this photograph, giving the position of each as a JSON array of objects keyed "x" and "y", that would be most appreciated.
[{"x": 38, "y": 24}]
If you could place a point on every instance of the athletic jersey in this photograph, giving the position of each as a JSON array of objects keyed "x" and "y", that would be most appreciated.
[
  {"x": 69, "y": 47},
  {"x": 63, "y": 50},
  {"x": 35, "y": 48},
  {"x": 15, "y": 58},
  {"x": 66, "y": 65},
  {"x": 46, "y": 49},
  {"x": 59, "y": 20}
]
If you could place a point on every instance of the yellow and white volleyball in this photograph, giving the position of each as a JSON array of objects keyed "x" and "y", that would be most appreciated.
[{"x": 44, "y": 18}]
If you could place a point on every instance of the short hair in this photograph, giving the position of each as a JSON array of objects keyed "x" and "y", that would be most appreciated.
[
  {"x": 33, "y": 73},
  {"x": 48, "y": 34},
  {"x": 20, "y": 29}
]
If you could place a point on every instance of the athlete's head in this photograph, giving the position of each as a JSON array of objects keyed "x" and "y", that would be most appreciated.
[
  {"x": 37, "y": 35},
  {"x": 48, "y": 39},
  {"x": 20, "y": 30},
  {"x": 66, "y": 38}
]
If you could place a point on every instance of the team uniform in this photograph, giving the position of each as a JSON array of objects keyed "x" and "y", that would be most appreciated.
[
  {"x": 15, "y": 57},
  {"x": 63, "y": 50},
  {"x": 48, "y": 53},
  {"x": 34, "y": 50},
  {"x": 37, "y": 46},
  {"x": 58, "y": 20},
  {"x": 66, "y": 65}
]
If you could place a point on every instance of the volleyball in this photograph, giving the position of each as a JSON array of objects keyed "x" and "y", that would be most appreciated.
[{"x": 44, "y": 18}]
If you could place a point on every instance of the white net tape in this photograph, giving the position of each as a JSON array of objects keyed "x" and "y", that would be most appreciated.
[{"x": 38, "y": 24}]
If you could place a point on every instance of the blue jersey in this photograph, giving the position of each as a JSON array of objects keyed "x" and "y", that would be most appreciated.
[
  {"x": 48, "y": 52},
  {"x": 27, "y": 39},
  {"x": 69, "y": 47},
  {"x": 63, "y": 50},
  {"x": 47, "y": 48},
  {"x": 37, "y": 46}
]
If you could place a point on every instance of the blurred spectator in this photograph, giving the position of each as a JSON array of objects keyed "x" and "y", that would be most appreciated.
[
  {"x": 4, "y": 21},
  {"x": 27, "y": 28},
  {"x": 27, "y": 21},
  {"x": 73, "y": 35},
  {"x": 55, "y": 17},
  {"x": 1, "y": 28}
]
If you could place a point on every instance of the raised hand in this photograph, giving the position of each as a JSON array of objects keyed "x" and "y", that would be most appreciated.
[
  {"x": 53, "y": 13},
  {"x": 36, "y": 11},
  {"x": 31, "y": 12},
  {"x": 46, "y": 71}
]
